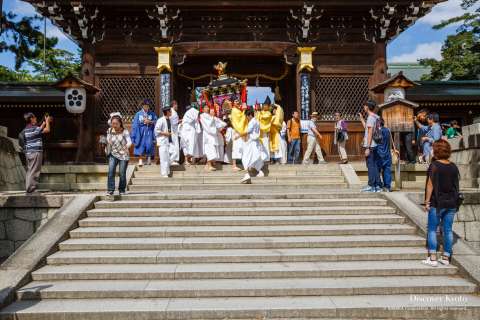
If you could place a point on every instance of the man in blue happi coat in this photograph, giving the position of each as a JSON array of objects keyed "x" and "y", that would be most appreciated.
[{"x": 143, "y": 136}]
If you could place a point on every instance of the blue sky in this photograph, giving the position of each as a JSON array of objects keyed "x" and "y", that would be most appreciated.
[{"x": 420, "y": 41}]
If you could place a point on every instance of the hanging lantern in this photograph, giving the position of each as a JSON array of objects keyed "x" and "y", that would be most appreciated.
[
  {"x": 306, "y": 58},
  {"x": 76, "y": 91},
  {"x": 164, "y": 59}
]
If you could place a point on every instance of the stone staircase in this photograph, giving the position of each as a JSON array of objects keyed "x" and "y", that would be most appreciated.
[{"x": 295, "y": 245}]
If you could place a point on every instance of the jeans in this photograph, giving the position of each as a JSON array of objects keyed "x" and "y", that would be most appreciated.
[
  {"x": 294, "y": 151},
  {"x": 427, "y": 151},
  {"x": 373, "y": 171},
  {"x": 445, "y": 217},
  {"x": 112, "y": 166},
  {"x": 385, "y": 169}
]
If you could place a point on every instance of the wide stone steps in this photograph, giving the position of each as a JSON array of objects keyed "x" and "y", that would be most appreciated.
[
  {"x": 239, "y": 220},
  {"x": 239, "y": 174},
  {"x": 241, "y": 231},
  {"x": 235, "y": 255},
  {"x": 239, "y": 270},
  {"x": 310, "y": 307},
  {"x": 226, "y": 180},
  {"x": 160, "y": 186},
  {"x": 239, "y": 203},
  {"x": 243, "y": 211},
  {"x": 296, "y": 244},
  {"x": 196, "y": 288},
  {"x": 177, "y": 243}
]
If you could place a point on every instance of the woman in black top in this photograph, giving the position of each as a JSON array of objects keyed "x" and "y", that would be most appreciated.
[{"x": 441, "y": 198}]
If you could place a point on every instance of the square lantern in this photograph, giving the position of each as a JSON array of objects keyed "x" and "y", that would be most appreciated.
[{"x": 164, "y": 59}]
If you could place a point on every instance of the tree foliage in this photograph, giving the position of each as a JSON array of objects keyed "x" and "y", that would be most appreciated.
[
  {"x": 460, "y": 52},
  {"x": 23, "y": 38}
]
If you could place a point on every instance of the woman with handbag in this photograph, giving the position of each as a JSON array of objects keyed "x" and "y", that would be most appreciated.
[
  {"x": 118, "y": 154},
  {"x": 340, "y": 138},
  {"x": 442, "y": 200}
]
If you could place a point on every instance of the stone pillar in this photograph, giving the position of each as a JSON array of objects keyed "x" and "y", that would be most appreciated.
[{"x": 86, "y": 121}]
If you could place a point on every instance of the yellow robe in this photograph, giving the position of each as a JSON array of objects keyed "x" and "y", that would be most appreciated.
[
  {"x": 239, "y": 121},
  {"x": 275, "y": 129},
  {"x": 265, "y": 119}
]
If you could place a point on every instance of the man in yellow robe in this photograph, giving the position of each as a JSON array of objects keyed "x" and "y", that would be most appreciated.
[
  {"x": 265, "y": 117},
  {"x": 275, "y": 138},
  {"x": 239, "y": 124}
]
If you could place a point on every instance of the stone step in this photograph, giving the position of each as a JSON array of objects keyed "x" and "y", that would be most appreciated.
[
  {"x": 239, "y": 203},
  {"x": 226, "y": 180},
  {"x": 228, "y": 168},
  {"x": 241, "y": 231},
  {"x": 239, "y": 220},
  {"x": 179, "y": 243},
  {"x": 252, "y": 211},
  {"x": 235, "y": 255},
  {"x": 240, "y": 270},
  {"x": 239, "y": 174},
  {"x": 236, "y": 186},
  {"x": 202, "y": 288},
  {"x": 230, "y": 195},
  {"x": 454, "y": 307}
]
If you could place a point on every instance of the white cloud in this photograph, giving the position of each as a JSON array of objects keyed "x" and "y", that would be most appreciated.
[
  {"x": 444, "y": 11},
  {"x": 422, "y": 51},
  {"x": 23, "y": 9}
]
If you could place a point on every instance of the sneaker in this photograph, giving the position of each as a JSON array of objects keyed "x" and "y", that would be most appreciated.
[
  {"x": 122, "y": 193},
  {"x": 368, "y": 189},
  {"x": 246, "y": 179},
  {"x": 443, "y": 261},
  {"x": 387, "y": 190},
  {"x": 322, "y": 162},
  {"x": 165, "y": 176},
  {"x": 260, "y": 174},
  {"x": 378, "y": 190},
  {"x": 175, "y": 163},
  {"x": 429, "y": 262}
]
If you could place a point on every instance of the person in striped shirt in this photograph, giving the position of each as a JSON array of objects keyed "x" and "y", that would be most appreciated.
[{"x": 33, "y": 134}]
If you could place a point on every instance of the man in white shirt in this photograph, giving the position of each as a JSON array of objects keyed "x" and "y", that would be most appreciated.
[
  {"x": 163, "y": 133},
  {"x": 175, "y": 154},
  {"x": 312, "y": 140}
]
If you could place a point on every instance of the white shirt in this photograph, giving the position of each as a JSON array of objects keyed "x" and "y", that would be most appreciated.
[{"x": 161, "y": 127}]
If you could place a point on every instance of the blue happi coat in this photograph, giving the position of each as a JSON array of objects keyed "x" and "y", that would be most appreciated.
[{"x": 143, "y": 136}]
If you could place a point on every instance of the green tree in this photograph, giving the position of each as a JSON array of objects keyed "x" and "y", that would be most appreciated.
[
  {"x": 24, "y": 39},
  {"x": 8, "y": 75},
  {"x": 460, "y": 52}
]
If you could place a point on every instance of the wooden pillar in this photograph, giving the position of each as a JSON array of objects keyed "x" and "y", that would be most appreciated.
[
  {"x": 86, "y": 143},
  {"x": 379, "y": 69}
]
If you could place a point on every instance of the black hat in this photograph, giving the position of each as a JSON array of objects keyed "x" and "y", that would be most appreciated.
[
  {"x": 166, "y": 109},
  {"x": 268, "y": 101}
]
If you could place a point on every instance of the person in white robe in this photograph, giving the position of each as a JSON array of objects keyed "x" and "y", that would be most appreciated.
[
  {"x": 254, "y": 153},
  {"x": 229, "y": 133},
  {"x": 191, "y": 135},
  {"x": 175, "y": 120},
  {"x": 164, "y": 135},
  {"x": 211, "y": 140},
  {"x": 283, "y": 144}
]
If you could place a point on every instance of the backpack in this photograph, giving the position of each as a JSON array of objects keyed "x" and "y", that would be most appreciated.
[
  {"x": 377, "y": 135},
  {"x": 22, "y": 141}
]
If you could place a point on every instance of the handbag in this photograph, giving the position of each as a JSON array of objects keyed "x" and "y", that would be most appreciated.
[{"x": 340, "y": 136}]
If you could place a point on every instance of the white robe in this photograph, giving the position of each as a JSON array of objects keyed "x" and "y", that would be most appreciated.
[
  {"x": 212, "y": 141},
  {"x": 191, "y": 134},
  {"x": 281, "y": 153},
  {"x": 164, "y": 146},
  {"x": 174, "y": 119},
  {"x": 237, "y": 146},
  {"x": 254, "y": 153},
  {"x": 266, "y": 143},
  {"x": 228, "y": 145}
]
